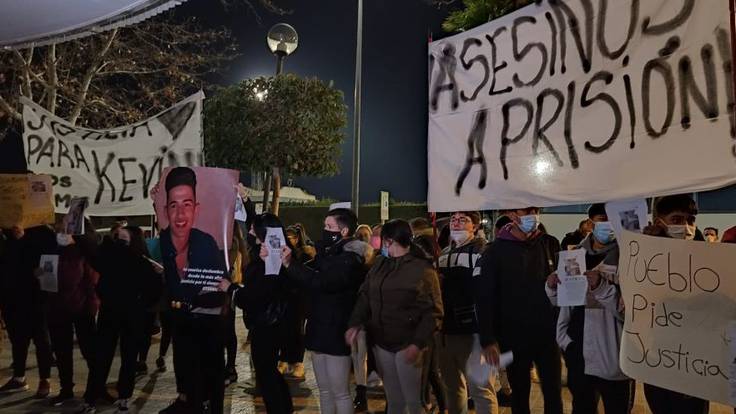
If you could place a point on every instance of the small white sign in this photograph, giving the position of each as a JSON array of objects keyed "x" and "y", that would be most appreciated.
[
  {"x": 573, "y": 287},
  {"x": 49, "y": 277},
  {"x": 631, "y": 215},
  {"x": 384, "y": 206},
  {"x": 274, "y": 241}
]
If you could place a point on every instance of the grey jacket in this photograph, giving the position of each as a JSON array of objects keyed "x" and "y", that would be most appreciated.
[{"x": 604, "y": 320}]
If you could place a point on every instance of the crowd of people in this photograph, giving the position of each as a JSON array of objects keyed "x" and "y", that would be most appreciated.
[{"x": 427, "y": 309}]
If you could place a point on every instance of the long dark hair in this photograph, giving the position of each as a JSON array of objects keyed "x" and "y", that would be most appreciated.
[
  {"x": 263, "y": 221},
  {"x": 399, "y": 231},
  {"x": 301, "y": 235},
  {"x": 137, "y": 241}
]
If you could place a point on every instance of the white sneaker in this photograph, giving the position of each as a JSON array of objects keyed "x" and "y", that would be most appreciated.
[
  {"x": 122, "y": 406},
  {"x": 374, "y": 381}
]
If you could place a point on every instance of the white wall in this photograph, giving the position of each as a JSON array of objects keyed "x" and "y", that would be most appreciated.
[{"x": 560, "y": 224}]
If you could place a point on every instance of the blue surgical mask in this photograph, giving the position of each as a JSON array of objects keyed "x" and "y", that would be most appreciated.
[
  {"x": 529, "y": 223},
  {"x": 603, "y": 232},
  {"x": 384, "y": 251}
]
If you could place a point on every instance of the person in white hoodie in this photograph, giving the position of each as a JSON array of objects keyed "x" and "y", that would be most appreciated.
[{"x": 590, "y": 335}]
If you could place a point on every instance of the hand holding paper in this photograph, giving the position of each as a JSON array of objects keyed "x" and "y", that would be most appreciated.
[{"x": 573, "y": 287}]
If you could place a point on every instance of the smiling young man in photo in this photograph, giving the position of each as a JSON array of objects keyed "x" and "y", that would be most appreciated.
[{"x": 191, "y": 257}]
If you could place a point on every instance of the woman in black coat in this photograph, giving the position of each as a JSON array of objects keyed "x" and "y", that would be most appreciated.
[
  {"x": 263, "y": 299},
  {"x": 129, "y": 284}
]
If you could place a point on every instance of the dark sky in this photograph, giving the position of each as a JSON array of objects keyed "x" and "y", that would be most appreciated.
[{"x": 394, "y": 127}]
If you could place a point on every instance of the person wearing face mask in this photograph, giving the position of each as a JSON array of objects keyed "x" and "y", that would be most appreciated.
[
  {"x": 460, "y": 326},
  {"x": 128, "y": 285},
  {"x": 710, "y": 234},
  {"x": 513, "y": 311},
  {"x": 291, "y": 356},
  {"x": 22, "y": 304},
  {"x": 400, "y": 307},
  {"x": 72, "y": 310},
  {"x": 332, "y": 281},
  {"x": 673, "y": 216},
  {"x": 264, "y": 299},
  {"x": 590, "y": 335}
]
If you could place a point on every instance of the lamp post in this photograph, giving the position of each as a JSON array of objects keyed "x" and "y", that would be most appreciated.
[
  {"x": 356, "y": 110},
  {"x": 282, "y": 41}
]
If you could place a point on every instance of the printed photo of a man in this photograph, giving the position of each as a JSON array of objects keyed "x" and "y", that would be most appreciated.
[{"x": 181, "y": 243}]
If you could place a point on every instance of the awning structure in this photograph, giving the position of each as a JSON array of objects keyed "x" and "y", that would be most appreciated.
[{"x": 26, "y": 23}]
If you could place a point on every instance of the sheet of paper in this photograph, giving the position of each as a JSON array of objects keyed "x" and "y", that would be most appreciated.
[
  {"x": 49, "y": 279},
  {"x": 479, "y": 370},
  {"x": 240, "y": 214},
  {"x": 74, "y": 219},
  {"x": 573, "y": 287},
  {"x": 274, "y": 241},
  {"x": 631, "y": 215}
]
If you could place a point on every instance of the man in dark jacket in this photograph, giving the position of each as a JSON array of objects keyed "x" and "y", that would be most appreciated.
[
  {"x": 460, "y": 326},
  {"x": 514, "y": 313},
  {"x": 572, "y": 240},
  {"x": 21, "y": 300},
  {"x": 199, "y": 333},
  {"x": 333, "y": 280}
]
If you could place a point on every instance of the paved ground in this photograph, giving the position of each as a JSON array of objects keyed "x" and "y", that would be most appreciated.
[{"x": 156, "y": 390}]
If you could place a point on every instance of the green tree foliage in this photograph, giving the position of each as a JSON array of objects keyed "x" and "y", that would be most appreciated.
[
  {"x": 477, "y": 12},
  {"x": 284, "y": 123}
]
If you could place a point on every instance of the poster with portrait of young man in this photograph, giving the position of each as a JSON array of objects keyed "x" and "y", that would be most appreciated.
[{"x": 195, "y": 208}]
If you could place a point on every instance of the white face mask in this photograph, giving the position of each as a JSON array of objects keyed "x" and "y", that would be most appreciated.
[
  {"x": 459, "y": 236},
  {"x": 681, "y": 231},
  {"x": 64, "y": 240}
]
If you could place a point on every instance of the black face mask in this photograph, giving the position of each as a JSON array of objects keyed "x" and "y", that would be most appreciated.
[
  {"x": 329, "y": 238},
  {"x": 121, "y": 242}
]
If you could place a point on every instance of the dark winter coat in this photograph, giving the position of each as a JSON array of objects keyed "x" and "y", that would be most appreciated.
[
  {"x": 332, "y": 280},
  {"x": 400, "y": 303},
  {"x": 511, "y": 303},
  {"x": 456, "y": 266}
]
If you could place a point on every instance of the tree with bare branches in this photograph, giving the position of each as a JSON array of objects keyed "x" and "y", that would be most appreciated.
[{"x": 121, "y": 76}]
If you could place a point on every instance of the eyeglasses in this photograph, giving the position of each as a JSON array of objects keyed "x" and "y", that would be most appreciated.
[{"x": 460, "y": 220}]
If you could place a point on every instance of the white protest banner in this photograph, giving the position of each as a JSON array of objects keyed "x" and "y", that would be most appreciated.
[
  {"x": 531, "y": 110},
  {"x": 114, "y": 168},
  {"x": 680, "y": 301}
]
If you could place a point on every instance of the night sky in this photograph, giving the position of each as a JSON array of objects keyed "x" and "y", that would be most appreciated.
[{"x": 394, "y": 128}]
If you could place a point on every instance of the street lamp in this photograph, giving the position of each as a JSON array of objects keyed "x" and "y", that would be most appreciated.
[{"x": 282, "y": 40}]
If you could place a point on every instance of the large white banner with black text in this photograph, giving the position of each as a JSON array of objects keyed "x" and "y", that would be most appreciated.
[
  {"x": 114, "y": 168},
  {"x": 567, "y": 102}
]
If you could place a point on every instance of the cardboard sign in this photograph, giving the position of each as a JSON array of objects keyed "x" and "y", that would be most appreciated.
[
  {"x": 26, "y": 200},
  {"x": 680, "y": 301}
]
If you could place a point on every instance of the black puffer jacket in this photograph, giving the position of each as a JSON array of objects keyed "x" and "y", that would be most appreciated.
[
  {"x": 19, "y": 288},
  {"x": 456, "y": 267},
  {"x": 511, "y": 303},
  {"x": 332, "y": 280}
]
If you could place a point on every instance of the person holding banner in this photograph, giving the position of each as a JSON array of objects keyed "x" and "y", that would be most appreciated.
[
  {"x": 21, "y": 304},
  {"x": 400, "y": 307},
  {"x": 590, "y": 335},
  {"x": 193, "y": 263},
  {"x": 460, "y": 325},
  {"x": 332, "y": 281},
  {"x": 673, "y": 216},
  {"x": 514, "y": 313}
]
